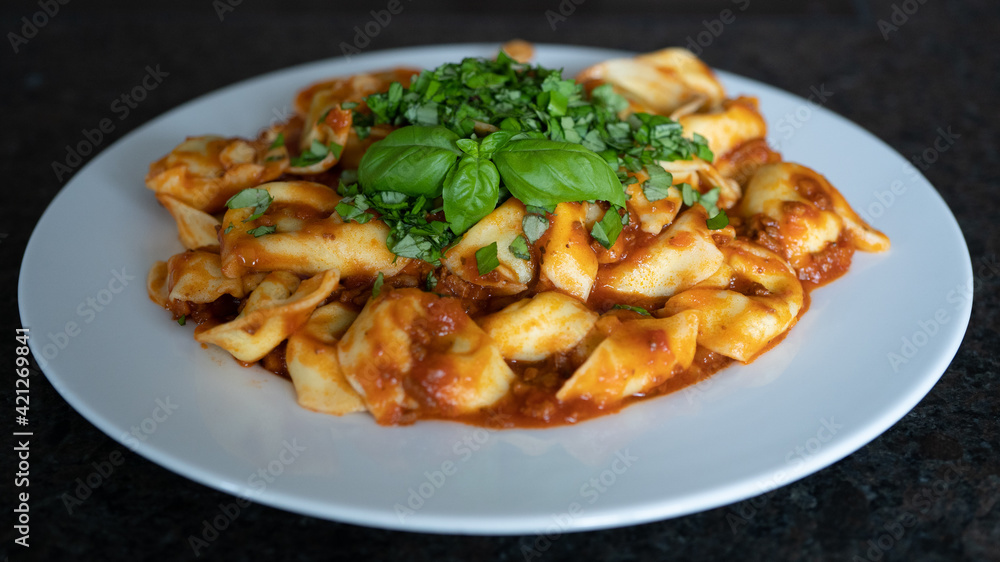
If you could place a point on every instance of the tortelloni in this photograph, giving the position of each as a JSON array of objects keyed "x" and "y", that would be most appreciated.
[
  {"x": 753, "y": 298},
  {"x": 203, "y": 172},
  {"x": 308, "y": 237},
  {"x": 796, "y": 212},
  {"x": 411, "y": 353},
  {"x": 287, "y": 264}
]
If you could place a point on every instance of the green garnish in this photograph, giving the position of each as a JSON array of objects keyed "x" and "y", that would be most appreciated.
[
  {"x": 182, "y": 320},
  {"x": 658, "y": 185},
  {"x": 262, "y": 230},
  {"x": 377, "y": 287},
  {"x": 471, "y": 191},
  {"x": 316, "y": 153},
  {"x": 432, "y": 281},
  {"x": 475, "y": 132},
  {"x": 717, "y": 218},
  {"x": 355, "y": 209},
  {"x": 638, "y": 309},
  {"x": 486, "y": 259},
  {"x": 519, "y": 247},
  {"x": 517, "y": 98},
  {"x": 607, "y": 229},
  {"x": 228, "y": 229},
  {"x": 254, "y": 197},
  {"x": 534, "y": 226},
  {"x": 279, "y": 142}
]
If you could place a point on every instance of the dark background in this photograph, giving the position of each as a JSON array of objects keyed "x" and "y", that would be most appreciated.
[{"x": 938, "y": 69}]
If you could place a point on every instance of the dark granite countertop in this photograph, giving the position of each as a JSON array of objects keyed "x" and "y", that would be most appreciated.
[{"x": 936, "y": 472}]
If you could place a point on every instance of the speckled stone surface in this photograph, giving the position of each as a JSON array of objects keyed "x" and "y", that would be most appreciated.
[{"x": 927, "y": 489}]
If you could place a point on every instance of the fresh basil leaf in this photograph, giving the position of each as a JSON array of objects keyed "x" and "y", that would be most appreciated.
[
  {"x": 607, "y": 229},
  {"x": 703, "y": 151},
  {"x": 689, "y": 194},
  {"x": 534, "y": 226},
  {"x": 411, "y": 160},
  {"x": 377, "y": 287},
  {"x": 718, "y": 222},
  {"x": 391, "y": 199},
  {"x": 249, "y": 197},
  {"x": 486, "y": 259},
  {"x": 279, "y": 141},
  {"x": 606, "y": 96},
  {"x": 519, "y": 247},
  {"x": 432, "y": 281},
  {"x": 638, "y": 309},
  {"x": 254, "y": 197},
  {"x": 228, "y": 229},
  {"x": 494, "y": 142},
  {"x": 262, "y": 230},
  {"x": 540, "y": 210},
  {"x": 347, "y": 189},
  {"x": 544, "y": 173},
  {"x": 710, "y": 200},
  {"x": 470, "y": 192},
  {"x": 354, "y": 209},
  {"x": 658, "y": 185},
  {"x": 468, "y": 146}
]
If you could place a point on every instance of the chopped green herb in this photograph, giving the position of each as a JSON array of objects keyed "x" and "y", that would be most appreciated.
[
  {"x": 228, "y": 229},
  {"x": 717, "y": 218},
  {"x": 354, "y": 209},
  {"x": 607, "y": 229},
  {"x": 517, "y": 97},
  {"x": 486, "y": 259},
  {"x": 718, "y": 222},
  {"x": 534, "y": 227},
  {"x": 432, "y": 281},
  {"x": 279, "y": 141},
  {"x": 316, "y": 153},
  {"x": 638, "y": 309},
  {"x": 554, "y": 144},
  {"x": 658, "y": 185},
  {"x": 377, "y": 287},
  {"x": 519, "y": 247},
  {"x": 182, "y": 320},
  {"x": 262, "y": 230},
  {"x": 254, "y": 197}
]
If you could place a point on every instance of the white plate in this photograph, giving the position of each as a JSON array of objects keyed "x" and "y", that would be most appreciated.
[{"x": 827, "y": 390}]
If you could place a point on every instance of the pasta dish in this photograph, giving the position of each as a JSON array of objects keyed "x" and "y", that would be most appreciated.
[{"x": 492, "y": 243}]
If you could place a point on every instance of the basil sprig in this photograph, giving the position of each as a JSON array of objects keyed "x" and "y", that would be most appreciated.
[
  {"x": 467, "y": 173},
  {"x": 472, "y": 190},
  {"x": 544, "y": 173},
  {"x": 412, "y": 160}
]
